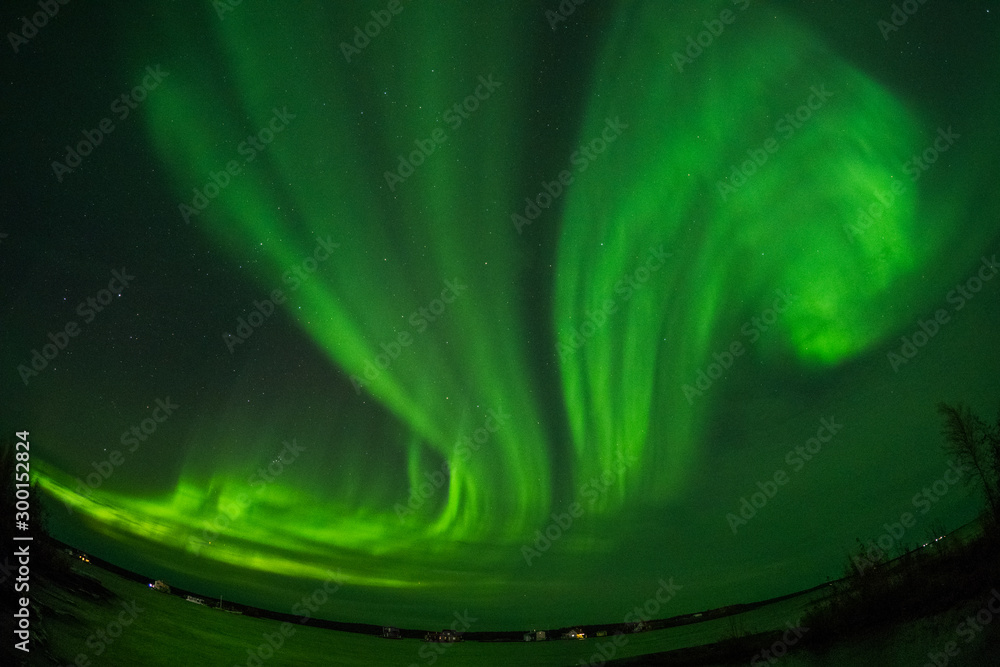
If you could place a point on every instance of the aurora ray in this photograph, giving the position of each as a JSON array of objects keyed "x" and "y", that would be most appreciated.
[{"x": 428, "y": 254}]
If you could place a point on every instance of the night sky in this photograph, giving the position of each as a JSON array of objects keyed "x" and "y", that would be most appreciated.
[{"x": 495, "y": 307}]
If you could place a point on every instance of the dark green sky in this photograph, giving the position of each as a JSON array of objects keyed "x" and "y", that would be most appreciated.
[{"x": 695, "y": 298}]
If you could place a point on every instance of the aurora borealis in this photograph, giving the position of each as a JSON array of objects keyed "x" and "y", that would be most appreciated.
[{"x": 483, "y": 309}]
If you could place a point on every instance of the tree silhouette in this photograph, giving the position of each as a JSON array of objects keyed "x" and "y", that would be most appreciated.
[{"x": 975, "y": 444}]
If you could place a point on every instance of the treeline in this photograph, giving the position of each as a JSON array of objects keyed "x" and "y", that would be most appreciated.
[{"x": 879, "y": 589}]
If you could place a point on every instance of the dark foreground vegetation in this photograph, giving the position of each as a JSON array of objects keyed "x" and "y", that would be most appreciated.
[
  {"x": 884, "y": 586},
  {"x": 879, "y": 590},
  {"x": 49, "y": 569}
]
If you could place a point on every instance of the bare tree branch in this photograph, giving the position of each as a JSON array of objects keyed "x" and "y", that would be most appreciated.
[{"x": 975, "y": 444}]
